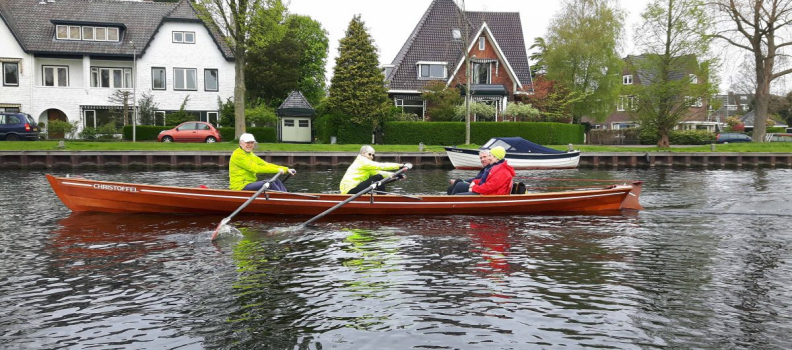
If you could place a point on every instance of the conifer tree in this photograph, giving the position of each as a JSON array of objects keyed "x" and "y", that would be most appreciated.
[{"x": 357, "y": 90}]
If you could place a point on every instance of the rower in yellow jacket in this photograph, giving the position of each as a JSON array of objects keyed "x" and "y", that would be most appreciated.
[{"x": 364, "y": 171}]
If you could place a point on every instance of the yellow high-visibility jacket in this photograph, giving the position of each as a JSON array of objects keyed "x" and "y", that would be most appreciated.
[
  {"x": 243, "y": 167},
  {"x": 362, "y": 169}
]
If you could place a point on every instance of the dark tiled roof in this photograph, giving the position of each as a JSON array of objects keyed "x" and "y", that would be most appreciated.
[
  {"x": 432, "y": 40},
  {"x": 685, "y": 64},
  {"x": 295, "y": 100},
  {"x": 34, "y": 27}
]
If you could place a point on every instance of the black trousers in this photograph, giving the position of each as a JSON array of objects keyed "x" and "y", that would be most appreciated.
[{"x": 365, "y": 184}]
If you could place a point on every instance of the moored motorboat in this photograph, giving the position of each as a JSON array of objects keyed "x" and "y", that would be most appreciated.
[
  {"x": 520, "y": 153},
  {"x": 84, "y": 195}
]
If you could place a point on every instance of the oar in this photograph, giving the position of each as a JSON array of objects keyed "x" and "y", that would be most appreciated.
[
  {"x": 262, "y": 189},
  {"x": 367, "y": 190}
]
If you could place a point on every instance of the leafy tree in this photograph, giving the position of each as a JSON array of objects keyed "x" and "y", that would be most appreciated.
[
  {"x": 763, "y": 28},
  {"x": 539, "y": 67},
  {"x": 122, "y": 97},
  {"x": 181, "y": 115},
  {"x": 521, "y": 111},
  {"x": 478, "y": 109},
  {"x": 552, "y": 99},
  {"x": 441, "y": 101},
  {"x": 357, "y": 89},
  {"x": 147, "y": 108},
  {"x": 273, "y": 71},
  {"x": 674, "y": 39},
  {"x": 261, "y": 115},
  {"x": 313, "y": 57},
  {"x": 226, "y": 111},
  {"x": 235, "y": 19},
  {"x": 581, "y": 54}
]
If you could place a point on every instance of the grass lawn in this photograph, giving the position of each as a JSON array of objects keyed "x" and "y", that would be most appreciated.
[{"x": 774, "y": 147}]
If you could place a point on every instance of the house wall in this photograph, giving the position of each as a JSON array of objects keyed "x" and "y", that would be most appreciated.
[
  {"x": 12, "y": 50},
  {"x": 498, "y": 76},
  {"x": 204, "y": 54},
  {"x": 162, "y": 52}
]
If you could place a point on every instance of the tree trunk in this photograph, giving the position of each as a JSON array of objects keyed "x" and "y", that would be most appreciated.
[
  {"x": 663, "y": 141},
  {"x": 762, "y": 97},
  {"x": 239, "y": 92}
]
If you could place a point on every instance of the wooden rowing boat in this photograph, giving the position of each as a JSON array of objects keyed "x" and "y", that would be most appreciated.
[{"x": 83, "y": 195}]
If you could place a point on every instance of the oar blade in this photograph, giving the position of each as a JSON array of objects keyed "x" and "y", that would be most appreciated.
[{"x": 220, "y": 227}]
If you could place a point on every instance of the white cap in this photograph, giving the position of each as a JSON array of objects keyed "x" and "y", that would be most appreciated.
[{"x": 247, "y": 138}]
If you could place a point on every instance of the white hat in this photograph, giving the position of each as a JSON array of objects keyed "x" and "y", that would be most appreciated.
[{"x": 247, "y": 138}]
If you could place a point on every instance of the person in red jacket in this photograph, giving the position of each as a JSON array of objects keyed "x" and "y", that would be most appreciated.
[{"x": 499, "y": 179}]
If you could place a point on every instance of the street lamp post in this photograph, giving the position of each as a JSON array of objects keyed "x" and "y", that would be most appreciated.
[{"x": 134, "y": 92}]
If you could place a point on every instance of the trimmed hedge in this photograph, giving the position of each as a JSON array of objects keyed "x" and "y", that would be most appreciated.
[
  {"x": 150, "y": 133},
  {"x": 144, "y": 132},
  {"x": 775, "y": 129},
  {"x": 453, "y": 133},
  {"x": 263, "y": 135},
  {"x": 349, "y": 133}
]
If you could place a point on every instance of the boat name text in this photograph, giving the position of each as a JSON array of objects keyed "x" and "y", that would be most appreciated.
[{"x": 115, "y": 188}]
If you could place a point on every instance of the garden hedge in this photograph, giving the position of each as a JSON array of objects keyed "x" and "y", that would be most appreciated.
[{"x": 453, "y": 133}]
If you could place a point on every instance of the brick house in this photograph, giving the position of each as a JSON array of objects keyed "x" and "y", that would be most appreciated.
[
  {"x": 63, "y": 59},
  {"x": 435, "y": 51}
]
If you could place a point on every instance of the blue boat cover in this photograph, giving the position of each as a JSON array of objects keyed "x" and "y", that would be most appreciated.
[{"x": 519, "y": 145}]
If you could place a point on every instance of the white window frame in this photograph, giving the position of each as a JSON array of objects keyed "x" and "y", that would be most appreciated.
[
  {"x": 5, "y": 76},
  {"x": 78, "y": 30},
  {"x": 58, "y": 35},
  {"x": 91, "y": 30},
  {"x": 126, "y": 77},
  {"x": 217, "y": 79},
  {"x": 420, "y": 65},
  {"x": 183, "y": 39},
  {"x": 85, "y": 118},
  {"x": 110, "y": 30},
  {"x": 303, "y": 121},
  {"x": 286, "y": 123},
  {"x": 55, "y": 80},
  {"x": 489, "y": 72},
  {"x": 215, "y": 115},
  {"x": 627, "y": 79},
  {"x": 184, "y": 81},
  {"x": 482, "y": 44},
  {"x": 164, "y": 80},
  {"x": 620, "y": 103},
  {"x": 456, "y": 34},
  {"x": 693, "y": 78},
  {"x": 163, "y": 114},
  {"x": 96, "y": 34}
]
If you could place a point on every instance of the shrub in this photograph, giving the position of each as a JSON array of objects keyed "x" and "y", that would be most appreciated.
[
  {"x": 262, "y": 135},
  {"x": 351, "y": 133},
  {"x": 62, "y": 127},
  {"x": 776, "y": 129},
  {"x": 326, "y": 126},
  {"x": 691, "y": 137},
  {"x": 144, "y": 132}
]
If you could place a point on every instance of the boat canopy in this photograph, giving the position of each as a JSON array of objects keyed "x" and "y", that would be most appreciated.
[{"x": 518, "y": 145}]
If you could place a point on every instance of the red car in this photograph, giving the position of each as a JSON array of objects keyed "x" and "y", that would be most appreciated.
[{"x": 191, "y": 132}]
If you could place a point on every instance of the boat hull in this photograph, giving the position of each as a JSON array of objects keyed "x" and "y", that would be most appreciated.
[
  {"x": 464, "y": 158},
  {"x": 82, "y": 195}
]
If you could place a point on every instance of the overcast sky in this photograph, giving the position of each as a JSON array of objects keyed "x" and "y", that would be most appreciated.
[{"x": 391, "y": 22}]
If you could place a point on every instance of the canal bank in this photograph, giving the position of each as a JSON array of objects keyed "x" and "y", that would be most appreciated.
[{"x": 219, "y": 159}]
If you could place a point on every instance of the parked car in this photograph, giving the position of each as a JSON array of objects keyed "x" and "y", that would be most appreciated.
[
  {"x": 732, "y": 137},
  {"x": 191, "y": 132},
  {"x": 17, "y": 126}
]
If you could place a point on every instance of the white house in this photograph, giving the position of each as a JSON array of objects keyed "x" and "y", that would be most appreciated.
[{"x": 63, "y": 59}]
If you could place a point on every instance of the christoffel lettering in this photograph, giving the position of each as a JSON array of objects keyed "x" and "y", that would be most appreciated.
[{"x": 115, "y": 188}]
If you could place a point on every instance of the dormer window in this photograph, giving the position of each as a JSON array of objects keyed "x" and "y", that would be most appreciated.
[
  {"x": 431, "y": 70},
  {"x": 86, "y": 33},
  {"x": 184, "y": 37},
  {"x": 456, "y": 34},
  {"x": 627, "y": 79}
]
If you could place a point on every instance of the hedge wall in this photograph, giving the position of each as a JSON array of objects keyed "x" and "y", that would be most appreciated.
[
  {"x": 354, "y": 134},
  {"x": 453, "y": 133},
  {"x": 150, "y": 133},
  {"x": 144, "y": 132}
]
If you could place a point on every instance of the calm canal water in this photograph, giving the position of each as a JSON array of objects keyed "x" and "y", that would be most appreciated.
[{"x": 705, "y": 266}]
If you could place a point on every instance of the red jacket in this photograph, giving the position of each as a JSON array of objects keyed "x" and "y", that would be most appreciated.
[{"x": 499, "y": 180}]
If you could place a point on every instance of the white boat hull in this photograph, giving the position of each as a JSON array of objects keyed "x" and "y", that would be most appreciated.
[{"x": 463, "y": 158}]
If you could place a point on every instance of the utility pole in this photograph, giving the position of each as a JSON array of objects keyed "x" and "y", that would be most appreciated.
[{"x": 134, "y": 92}]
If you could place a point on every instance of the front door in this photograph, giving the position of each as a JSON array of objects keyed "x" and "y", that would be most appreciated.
[{"x": 56, "y": 114}]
